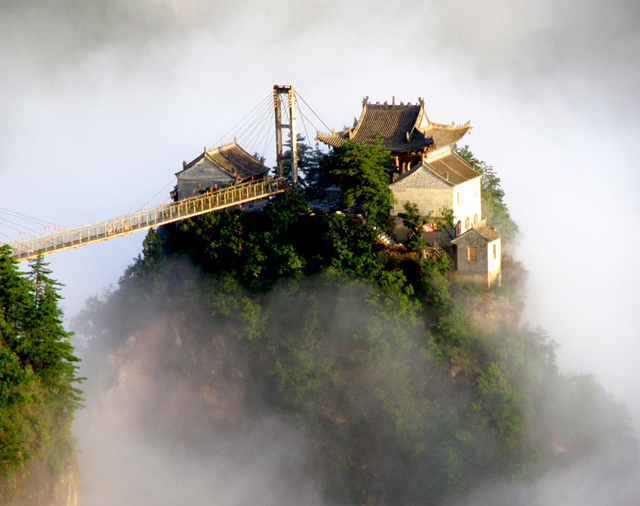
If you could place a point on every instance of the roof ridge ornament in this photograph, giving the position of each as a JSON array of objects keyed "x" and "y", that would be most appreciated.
[{"x": 365, "y": 101}]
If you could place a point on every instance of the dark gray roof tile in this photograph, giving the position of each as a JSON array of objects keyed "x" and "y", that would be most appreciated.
[
  {"x": 398, "y": 126},
  {"x": 231, "y": 159}
]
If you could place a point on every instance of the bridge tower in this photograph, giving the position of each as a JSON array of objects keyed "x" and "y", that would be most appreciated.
[{"x": 285, "y": 112}]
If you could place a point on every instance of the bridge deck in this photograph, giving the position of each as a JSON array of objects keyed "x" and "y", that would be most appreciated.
[{"x": 146, "y": 219}]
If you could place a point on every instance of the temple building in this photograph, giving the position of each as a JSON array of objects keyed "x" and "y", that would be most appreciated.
[
  {"x": 218, "y": 167},
  {"x": 429, "y": 173},
  {"x": 405, "y": 130},
  {"x": 439, "y": 181},
  {"x": 432, "y": 176}
]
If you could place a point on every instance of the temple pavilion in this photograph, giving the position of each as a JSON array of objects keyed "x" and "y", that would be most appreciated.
[
  {"x": 431, "y": 175},
  {"x": 404, "y": 129}
]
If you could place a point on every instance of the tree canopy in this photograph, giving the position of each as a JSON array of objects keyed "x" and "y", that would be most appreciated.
[
  {"x": 363, "y": 173},
  {"x": 370, "y": 350},
  {"x": 38, "y": 368}
]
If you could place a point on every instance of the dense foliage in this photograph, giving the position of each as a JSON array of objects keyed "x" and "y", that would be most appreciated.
[
  {"x": 363, "y": 173},
  {"x": 406, "y": 400},
  {"x": 37, "y": 369}
]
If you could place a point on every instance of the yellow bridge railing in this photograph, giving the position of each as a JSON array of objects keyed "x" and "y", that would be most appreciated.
[{"x": 148, "y": 218}]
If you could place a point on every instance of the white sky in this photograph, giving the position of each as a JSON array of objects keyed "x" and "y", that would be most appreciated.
[{"x": 102, "y": 101}]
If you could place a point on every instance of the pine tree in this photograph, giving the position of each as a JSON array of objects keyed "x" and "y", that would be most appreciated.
[
  {"x": 15, "y": 303},
  {"x": 37, "y": 368},
  {"x": 363, "y": 173},
  {"x": 47, "y": 345}
]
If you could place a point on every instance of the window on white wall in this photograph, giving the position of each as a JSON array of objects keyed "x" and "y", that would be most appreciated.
[
  {"x": 495, "y": 251},
  {"x": 457, "y": 197}
]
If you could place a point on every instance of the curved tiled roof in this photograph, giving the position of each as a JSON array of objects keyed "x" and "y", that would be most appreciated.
[
  {"x": 441, "y": 172},
  {"x": 421, "y": 177},
  {"x": 399, "y": 128},
  {"x": 446, "y": 135},
  {"x": 485, "y": 232},
  {"x": 231, "y": 159},
  {"x": 452, "y": 168}
]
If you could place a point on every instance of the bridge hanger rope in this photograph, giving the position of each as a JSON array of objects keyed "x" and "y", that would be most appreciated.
[
  {"x": 314, "y": 112},
  {"x": 243, "y": 124},
  {"x": 171, "y": 182},
  {"x": 19, "y": 222},
  {"x": 251, "y": 121}
]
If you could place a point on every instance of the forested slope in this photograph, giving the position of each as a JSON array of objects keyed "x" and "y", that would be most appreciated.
[
  {"x": 38, "y": 396},
  {"x": 369, "y": 355}
]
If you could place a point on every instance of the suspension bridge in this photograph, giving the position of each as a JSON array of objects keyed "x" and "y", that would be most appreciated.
[
  {"x": 283, "y": 111},
  {"x": 148, "y": 218}
]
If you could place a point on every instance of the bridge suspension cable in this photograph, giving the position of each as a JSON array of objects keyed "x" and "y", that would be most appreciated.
[
  {"x": 23, "y": 224},
  {"x": 254, "y": 131},
  {"x": 252, "y": 128},
  {"x": 314, "y": 113}
]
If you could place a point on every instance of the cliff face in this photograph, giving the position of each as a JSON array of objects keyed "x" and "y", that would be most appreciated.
[
  {"x": 37, "y": 485},
  {"x": 490, "y": 312},
  {"x": 176, "y": 419},
  {"x": 162, "y": 379},
  {"x": 321, "y": 391},
  {"x": 497, "y": 311},
  {"x": 296, "y": 362}
]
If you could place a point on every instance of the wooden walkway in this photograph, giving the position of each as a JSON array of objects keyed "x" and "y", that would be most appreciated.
[{"x": 148, "y": 218}]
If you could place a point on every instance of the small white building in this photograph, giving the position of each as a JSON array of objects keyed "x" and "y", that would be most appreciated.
[
  {"x": 478, "y": 256},
  {"x": 442, "y": 180}
]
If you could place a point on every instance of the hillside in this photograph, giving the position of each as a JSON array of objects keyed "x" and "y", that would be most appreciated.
[
  {"x": 284, "y": 357},
  {"x": 38, "y": 394}
]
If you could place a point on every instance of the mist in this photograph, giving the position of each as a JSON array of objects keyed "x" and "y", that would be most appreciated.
[
  {"x": 173, "y": 414},
  {"x": 102, "y": 102},
  {"x": 178, "y": 412}
]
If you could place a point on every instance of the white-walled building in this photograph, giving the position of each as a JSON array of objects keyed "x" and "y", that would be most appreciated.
[
  {"x": 442, "y": 180},
  {"x": 430, "y": 175}
]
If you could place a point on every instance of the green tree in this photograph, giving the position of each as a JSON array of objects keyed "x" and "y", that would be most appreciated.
[
  {"x": 363, "y": 173},
  {"x": 37, "y": 368},
  {"x": 413, "y": 221},
  {"x": 47, "y": 345},
  {"x": 15, "y": 303},
  {"x": 310, "y": 177}
]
